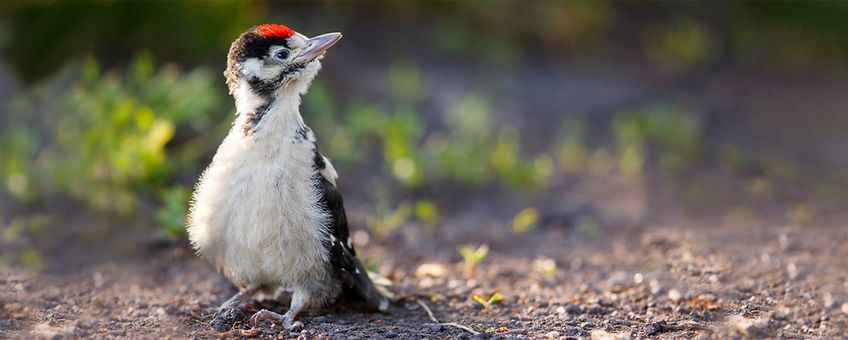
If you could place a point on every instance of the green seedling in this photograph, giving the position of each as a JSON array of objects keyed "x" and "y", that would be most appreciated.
[
  {"x": 471, "y": 257},
  {"x": 171, "y": 215},
  {"x": 372, "y": 265},
  {"x": 525, "y": 220},
  {"x": 486, "y": 303},
  {"x": 801, "y": 214},
  {"x": 387, "y": 220}
]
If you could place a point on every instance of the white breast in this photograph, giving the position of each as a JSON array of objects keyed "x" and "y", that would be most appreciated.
[{"x": 255, "y": 213}]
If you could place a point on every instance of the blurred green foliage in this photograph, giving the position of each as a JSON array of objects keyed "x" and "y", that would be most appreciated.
[
  {"x": 107, "y": 139},
  {"x": 668, "y": 133},
  {"x": 671, "y": 130},
  {"x": 463, "y": 151},
  {"x": 17, "y": 230},
  {"x": 525, "y": 220},
  {"x": 680, "y": 46}
]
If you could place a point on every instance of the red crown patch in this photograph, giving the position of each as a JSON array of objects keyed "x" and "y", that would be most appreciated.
[{"x": 274, "y": 31}]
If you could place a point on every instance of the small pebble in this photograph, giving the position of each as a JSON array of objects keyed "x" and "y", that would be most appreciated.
[
  {"x": 552, "y": 335},
  {"x": 674, "y": 295},
  {"x": 745, "y": 325},
  {"x": 573, "y": 309},
  {"x": 223, "y": 320},
  {"x": 656, "y": 328},
  {"x": 596, "y": 311},
  {"x": 432, "y": 328},
  {"x": 297, "y": 327},
  {"x": 784, "y": 241},
  {"x": 829, "y": 302},
  {"x": 617, "y": 278},
  {"x": 98, "y": 280},
  {"x": 792, "y": 270},
  {"x": 655, "y": 286},
  {"x": 573, "y": 332}
]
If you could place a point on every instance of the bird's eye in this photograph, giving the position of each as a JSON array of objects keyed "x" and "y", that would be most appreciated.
[{"x": 282, "y": 55}]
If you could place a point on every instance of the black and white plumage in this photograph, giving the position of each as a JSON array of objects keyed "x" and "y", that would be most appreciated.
[{"x": 266, "y": 212}]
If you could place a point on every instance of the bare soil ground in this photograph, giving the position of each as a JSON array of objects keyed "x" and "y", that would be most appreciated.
[{"x": 720, "y": 280}]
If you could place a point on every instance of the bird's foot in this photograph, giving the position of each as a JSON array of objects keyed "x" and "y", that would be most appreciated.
[
  {"x": 231, "y": 310},
  {"x": 225, "y": 318},
  {"x": 266, "y": 315}
]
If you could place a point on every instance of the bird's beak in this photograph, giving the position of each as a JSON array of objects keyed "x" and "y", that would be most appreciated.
[{"x": 316, "y": 46}]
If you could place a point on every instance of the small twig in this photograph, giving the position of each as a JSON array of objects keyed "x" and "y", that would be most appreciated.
[
  {"x": 433, "y": 317},
  {"x": 473, "y": 332},
  {"x": 427, "y": 309}
]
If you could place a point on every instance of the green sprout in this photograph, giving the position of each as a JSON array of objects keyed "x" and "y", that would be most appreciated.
[
  {"x": 471, "y": 257},
  {"x": 525, "y": 220},
  {"x": 387, "y": 220},
  {"x": 172, "y": 213},
  {"x": 427, "y": 212},
  {"x": 486, "y": 303},
  {"x": 372, "y": 265},
  {"x": 801, "y": 214}
]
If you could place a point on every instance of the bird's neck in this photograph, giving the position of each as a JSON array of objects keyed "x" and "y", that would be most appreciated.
[{"x": 268, "y": 116}]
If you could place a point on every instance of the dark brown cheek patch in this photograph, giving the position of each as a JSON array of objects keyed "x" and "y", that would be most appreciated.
[{"x": 262, "y": 88}]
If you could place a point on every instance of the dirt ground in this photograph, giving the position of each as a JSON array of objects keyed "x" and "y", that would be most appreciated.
[{"x": 740, "y": 277}]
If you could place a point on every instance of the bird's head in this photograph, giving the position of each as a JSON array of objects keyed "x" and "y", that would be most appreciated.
[{"x": 269, "y": 57}]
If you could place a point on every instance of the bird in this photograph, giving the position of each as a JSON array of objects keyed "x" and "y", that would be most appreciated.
[{"x": 266, "y": 212}]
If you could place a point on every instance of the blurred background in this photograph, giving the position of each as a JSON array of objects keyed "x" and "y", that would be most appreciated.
[{"x": 452, "y": 121}]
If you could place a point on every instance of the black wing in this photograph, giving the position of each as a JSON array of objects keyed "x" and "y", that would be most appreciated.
[{"x": 342, "y": 255}]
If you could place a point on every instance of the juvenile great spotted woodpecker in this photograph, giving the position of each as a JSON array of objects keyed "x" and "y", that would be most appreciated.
[{"x": 266, "y": 212}]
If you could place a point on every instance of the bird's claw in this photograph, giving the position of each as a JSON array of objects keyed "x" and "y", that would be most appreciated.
[
  {"x": 293, "y": 327},
  {"x": 266, "y": 315}
]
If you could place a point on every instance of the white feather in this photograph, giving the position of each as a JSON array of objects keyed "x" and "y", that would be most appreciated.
[
  {"x": 329, "y": 172},
  {"x": 255, "y": 67}
]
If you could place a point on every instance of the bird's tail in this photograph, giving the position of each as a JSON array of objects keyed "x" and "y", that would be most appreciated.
[{"x": 378, "y": 296}]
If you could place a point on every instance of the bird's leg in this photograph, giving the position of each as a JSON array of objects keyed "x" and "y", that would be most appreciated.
[
  {"x": 238, "y": 299},
  {"x": 299, "y": 300},
  {"x": 230, "y": 310}
]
